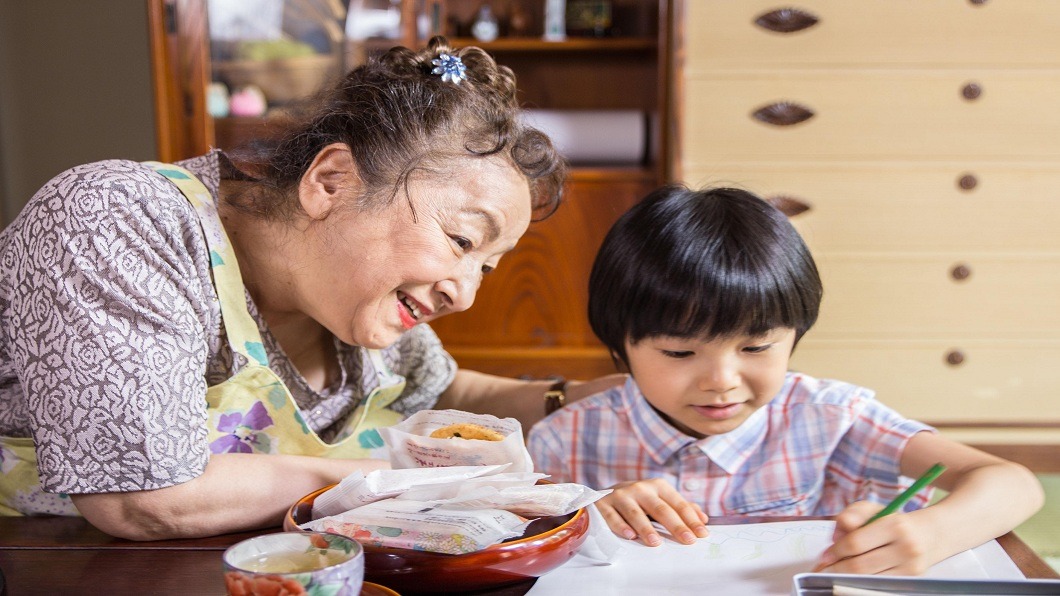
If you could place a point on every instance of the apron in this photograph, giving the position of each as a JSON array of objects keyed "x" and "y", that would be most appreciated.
[{"x": 251, "y": 412}]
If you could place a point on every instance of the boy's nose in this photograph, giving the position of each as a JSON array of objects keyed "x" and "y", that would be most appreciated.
[{"x": 721, "y": 377}]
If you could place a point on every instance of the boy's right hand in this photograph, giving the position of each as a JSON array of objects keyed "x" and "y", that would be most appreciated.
[{"x": 631, "y": 507}]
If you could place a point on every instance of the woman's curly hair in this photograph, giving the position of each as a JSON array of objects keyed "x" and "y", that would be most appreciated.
[{"x": 396, "y": 117}]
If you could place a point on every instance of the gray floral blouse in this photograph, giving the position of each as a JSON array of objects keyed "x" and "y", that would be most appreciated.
[{"x": 111, "y": 332}]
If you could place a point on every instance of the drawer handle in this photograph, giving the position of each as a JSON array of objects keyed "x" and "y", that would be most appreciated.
[
  {"x": 961, "y": 272},
  {"x": 783, "y": 113},
  {"x": 955, "y": 357},
  {"x": 967, "y": 182},
  {"x": 786, "y": 20},
  {"x": 788, "y": 205},
  {"x": 971, "y": 91}
]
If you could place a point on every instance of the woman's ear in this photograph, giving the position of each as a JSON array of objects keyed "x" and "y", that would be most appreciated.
[{"x": 331, "y": 178}]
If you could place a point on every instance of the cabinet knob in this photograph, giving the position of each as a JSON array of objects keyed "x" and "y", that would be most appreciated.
[
  {"x": 783, "y": 113},
  {"x": 788, "y": 205},
  {"x": 961, "y": 272},
  {"x": 967, "y": 182},
  {"x": 972, "y": 91},
  {"x": 786, "y": 20},
  {"x": 955, "y": 357}
]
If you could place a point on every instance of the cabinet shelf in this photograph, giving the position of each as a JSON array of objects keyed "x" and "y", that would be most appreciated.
[{"x": 572, "y": 44}]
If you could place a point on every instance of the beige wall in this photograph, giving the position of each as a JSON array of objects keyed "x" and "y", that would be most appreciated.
[{"x": 75, "y": 86}]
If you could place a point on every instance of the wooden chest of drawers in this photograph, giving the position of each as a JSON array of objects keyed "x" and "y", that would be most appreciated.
[{"x": 924, "y": 138}]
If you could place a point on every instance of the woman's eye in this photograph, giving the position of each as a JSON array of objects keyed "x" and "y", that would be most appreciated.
[
  {"x": 676, "y": 354},
  {"x": 486, "y": 269},
  {"x": 462, "y": 242}
]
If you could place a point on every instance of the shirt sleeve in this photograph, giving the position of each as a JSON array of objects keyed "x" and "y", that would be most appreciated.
[
  {"x": 868, "y": 457},
  {"x": 106, "y": 321},
  {"x": 545, "y": 444}
]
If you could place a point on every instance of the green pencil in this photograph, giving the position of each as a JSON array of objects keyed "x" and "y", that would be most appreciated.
[{"x": 899, "y": 501}]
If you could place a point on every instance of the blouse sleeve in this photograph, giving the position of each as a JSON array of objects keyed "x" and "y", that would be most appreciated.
[
  {"x": 108, "y": 292},
  {"x": 428, "y": 369}
]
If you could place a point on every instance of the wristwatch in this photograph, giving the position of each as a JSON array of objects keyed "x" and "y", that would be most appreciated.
[{"x": 555, "y": 396}]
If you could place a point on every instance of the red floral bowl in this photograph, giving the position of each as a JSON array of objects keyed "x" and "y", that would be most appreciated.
[{"x": 547, "y": 543}]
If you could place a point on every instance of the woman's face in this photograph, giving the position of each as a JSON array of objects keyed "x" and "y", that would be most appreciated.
[{"x": 380, "y": 271}]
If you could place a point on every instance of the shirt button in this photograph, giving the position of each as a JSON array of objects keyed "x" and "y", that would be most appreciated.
[{"x": 692, "y": 484}]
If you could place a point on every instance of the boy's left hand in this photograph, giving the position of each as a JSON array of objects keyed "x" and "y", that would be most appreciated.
[
  {"x": 893, "y": 545},
  {"x": 631, "y": 506}
]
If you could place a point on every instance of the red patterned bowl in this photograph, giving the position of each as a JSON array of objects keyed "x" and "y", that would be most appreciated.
[{"x": 547, "y": 543}]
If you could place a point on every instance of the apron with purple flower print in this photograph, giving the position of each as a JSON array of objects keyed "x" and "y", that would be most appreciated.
[{"x": 251, "y": 412}]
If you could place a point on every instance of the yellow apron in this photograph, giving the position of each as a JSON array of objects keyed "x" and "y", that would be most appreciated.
[{"x": 252, "y": 412}]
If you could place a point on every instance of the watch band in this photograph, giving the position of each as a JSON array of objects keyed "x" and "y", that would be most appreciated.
[{"x": 555, "y": 396}]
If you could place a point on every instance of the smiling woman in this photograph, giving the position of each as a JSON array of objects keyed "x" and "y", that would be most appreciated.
[{"x": 191, "y": 347}]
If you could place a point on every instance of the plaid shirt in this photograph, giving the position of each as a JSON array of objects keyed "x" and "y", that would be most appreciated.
[{"x": 817, "y": 447}]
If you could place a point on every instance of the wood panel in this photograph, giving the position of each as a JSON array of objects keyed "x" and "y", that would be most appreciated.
[
  {"x": 877, "y": 32},
  {"x": 890, "y": 206},
  {"x": 538, "y": 296},
  {"x": 1011, "y": 382},
  {"x": 880, "y": 115}
]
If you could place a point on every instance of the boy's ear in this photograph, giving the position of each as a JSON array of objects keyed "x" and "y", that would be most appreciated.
[{"x": 330, "y": 179}]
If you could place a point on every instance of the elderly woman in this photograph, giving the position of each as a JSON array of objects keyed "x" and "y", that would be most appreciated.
[{"x": 189, "y": 348}]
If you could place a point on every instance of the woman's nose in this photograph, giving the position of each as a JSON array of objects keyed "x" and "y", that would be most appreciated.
[{"x": 458, "y": 292}]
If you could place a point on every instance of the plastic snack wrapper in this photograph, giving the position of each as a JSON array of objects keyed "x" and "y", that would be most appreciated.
[
  {"x": 448, "y": 495},
  {"x": 411, "y": 445},
  {"x": 420, "y": 525},
  {"x": 535, "y": 500},
  {"x": 358, "y": 489}
]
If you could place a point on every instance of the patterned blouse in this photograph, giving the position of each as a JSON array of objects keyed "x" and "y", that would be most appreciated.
[{"x": 111, "y": 332}]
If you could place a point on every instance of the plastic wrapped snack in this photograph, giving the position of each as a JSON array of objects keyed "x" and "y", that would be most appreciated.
[
  {"x": 459, "y": 439},
  {"x": 421, "y": 525},
  {"x": 358, "y": 489}
]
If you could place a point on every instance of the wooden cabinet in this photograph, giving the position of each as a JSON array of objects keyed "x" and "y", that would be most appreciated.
[
  {"x": 922, "y": 140},
  {"x": 530, "y": 315}
]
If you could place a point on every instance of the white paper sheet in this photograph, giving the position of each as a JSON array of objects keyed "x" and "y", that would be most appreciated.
[{"x": 739, "y": 560}]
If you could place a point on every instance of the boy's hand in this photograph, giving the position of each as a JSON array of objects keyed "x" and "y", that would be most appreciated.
[
  {"x": 896, "y": 544},
  {"x": 628, "y": 507}
]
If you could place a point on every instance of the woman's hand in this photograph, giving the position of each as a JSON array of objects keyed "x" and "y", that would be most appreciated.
[
  {"x": 631, "y": 507},
  {"x": 897, "y": 544}
]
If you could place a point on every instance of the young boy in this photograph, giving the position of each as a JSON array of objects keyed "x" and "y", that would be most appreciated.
[{"x": 703, "y": 296}]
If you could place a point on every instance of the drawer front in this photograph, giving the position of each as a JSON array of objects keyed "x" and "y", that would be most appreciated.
[
  {"x": 895, "y": 296},
  {"x": 909, "y": 207},
  {"x": 997, "y": 382},
  {"x": 879, "y": 115},
  {"x": 723, "y": 33}
]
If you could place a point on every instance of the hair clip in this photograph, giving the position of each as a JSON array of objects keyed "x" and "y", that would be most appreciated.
[{"x": 450, "y": 67}]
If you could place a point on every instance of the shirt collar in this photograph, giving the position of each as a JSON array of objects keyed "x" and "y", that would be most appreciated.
[{"x": 658, "y": 437}]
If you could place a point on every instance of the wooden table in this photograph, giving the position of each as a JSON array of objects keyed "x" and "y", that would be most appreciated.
[{"x": 65, "y": 555}]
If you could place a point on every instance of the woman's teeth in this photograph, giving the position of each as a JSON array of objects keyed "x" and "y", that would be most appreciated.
[{"x": 409, "y": 304}]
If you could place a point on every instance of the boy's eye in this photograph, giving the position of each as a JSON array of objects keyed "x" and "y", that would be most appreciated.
[
  {"x": 677, "y": 353},
  {"x": 757, "y": 349}
]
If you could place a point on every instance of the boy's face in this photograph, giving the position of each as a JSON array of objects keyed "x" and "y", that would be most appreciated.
[{"x": 710, "y": 387}]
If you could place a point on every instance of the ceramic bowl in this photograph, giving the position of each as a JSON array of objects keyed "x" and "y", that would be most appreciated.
[
  {"x": 295, "y": 563},
  {"x": 547, "y": 543}
]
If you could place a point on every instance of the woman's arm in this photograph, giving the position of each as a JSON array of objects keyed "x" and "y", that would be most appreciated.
[
  {"x": 512, "y": 398},
  {"x": 988, "y": 496},
  {"x": 238, "y": 491}
]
